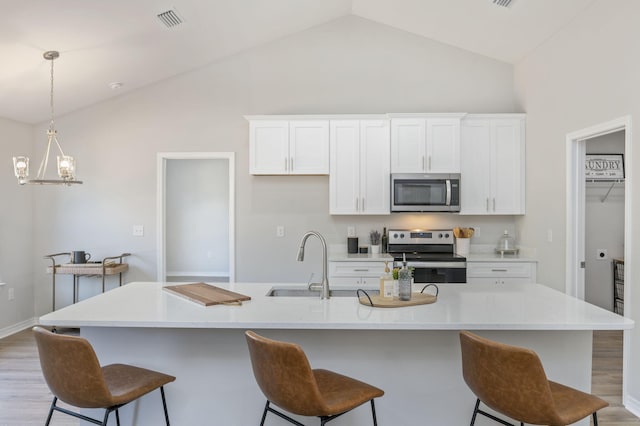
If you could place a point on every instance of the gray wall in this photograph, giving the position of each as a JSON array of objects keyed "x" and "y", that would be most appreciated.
[
  {"x": 604, "y": 226},
  {"x": 350, "y": 65},
  {"x": 16, "y": 218},
  {"x": 584, "y": 75}
]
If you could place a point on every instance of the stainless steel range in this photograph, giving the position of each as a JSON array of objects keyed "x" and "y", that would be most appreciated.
[{"x": 430, "y": 252}]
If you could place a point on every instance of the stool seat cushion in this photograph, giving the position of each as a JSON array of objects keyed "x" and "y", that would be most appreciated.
[
  {"x": 572, "y": 405},
  {"x": 341, "y": 393},
  {"x": 127, "y": 382}
]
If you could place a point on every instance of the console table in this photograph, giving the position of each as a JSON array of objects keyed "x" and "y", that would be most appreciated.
[{"x": 108, "y": 266}]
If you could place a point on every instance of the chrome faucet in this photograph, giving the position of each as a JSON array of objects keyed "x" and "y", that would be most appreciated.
[{"x": 324, "y": 284}]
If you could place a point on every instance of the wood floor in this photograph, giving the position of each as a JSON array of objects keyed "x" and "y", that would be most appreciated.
[{"x": 25, "y": 398}]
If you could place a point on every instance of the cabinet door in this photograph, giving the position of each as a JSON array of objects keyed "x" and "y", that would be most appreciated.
[
  {"x": 508, "y": 167},
  {"x": 374, "y": 167},
  {"x": 269, "y": 147},
  {"x": 408, "y": 140},
  {"x": 309, "y": 147},
  {"x": 344, "y": 167},
  {"x": 443, "y": 145},
  {"x": 475, "y": 180}
]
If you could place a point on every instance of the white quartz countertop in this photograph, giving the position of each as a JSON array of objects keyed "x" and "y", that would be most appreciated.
[
  {"x": 493, "y": 257},
  {"x": 360, "y": 257},
  {"x": 459, "y": 306}
]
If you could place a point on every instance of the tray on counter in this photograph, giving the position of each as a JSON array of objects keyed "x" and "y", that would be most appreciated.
[{"x": 377, "y": 301}]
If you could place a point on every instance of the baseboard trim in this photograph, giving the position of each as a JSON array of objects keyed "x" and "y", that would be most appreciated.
[
  {"x": 15, "y": 328},
  {"x": 632, "y": 405}
]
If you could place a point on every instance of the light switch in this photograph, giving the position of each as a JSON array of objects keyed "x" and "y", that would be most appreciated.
[
  {"x": 351, "y": 231},
  {"x": 138, "y": 230},
  {"x": 280, "y": 231}
]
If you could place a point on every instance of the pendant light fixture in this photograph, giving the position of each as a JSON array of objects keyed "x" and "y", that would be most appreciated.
[{"x": 66, "y": 163}]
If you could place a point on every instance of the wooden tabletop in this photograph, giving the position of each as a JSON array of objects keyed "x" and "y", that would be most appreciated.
[{"x": 89, "y": 268}]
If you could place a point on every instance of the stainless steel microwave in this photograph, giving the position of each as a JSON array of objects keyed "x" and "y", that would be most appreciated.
[{"x": 423, "y": 192}]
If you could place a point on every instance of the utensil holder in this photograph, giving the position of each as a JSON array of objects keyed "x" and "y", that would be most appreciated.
[{"x": 462, "y": 246}]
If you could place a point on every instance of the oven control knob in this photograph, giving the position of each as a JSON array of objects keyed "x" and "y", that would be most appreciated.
[
  {"x": 439, "y": 235},
  {"x": 401, "y": 235},
  {"x": 395, "y": 235},
  {"x": 446, "y": 235}
]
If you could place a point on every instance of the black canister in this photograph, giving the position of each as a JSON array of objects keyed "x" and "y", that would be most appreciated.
[{"x": 352, "y": 244}]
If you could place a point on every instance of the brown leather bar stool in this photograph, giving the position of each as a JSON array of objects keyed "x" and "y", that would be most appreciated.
[
  {"x": 73, "y": 374},
  {"x": 512, "y": 381},
  {"x": 286, "y": 379}
]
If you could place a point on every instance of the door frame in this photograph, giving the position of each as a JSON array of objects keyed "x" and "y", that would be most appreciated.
[
  {"x": 575, "y": 226},
  {"x": 162, "y": 159}
]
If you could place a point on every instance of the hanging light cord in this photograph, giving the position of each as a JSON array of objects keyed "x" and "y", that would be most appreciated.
[{"x": 51, "y": 132}]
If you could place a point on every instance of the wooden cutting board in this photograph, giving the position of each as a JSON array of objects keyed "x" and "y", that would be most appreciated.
[{"x": 207, "y": 294}]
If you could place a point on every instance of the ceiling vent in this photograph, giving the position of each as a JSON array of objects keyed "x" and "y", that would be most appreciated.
[
  {"x": 170, "y": 18},
  {"x": 503, "y": 3}
]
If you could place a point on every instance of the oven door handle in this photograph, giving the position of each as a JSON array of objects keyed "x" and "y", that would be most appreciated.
[
  {"x": 456, "y": 265},
  {"x": 448, "y": 202}
]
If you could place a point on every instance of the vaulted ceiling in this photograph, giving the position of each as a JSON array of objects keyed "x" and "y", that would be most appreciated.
[{"x": 102, "y": 42}]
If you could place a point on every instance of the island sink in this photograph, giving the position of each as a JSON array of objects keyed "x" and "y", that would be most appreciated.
[{"x": 305, "y": 292}]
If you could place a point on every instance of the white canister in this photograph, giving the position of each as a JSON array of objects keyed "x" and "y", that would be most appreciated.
[{"x": 462, "y": 246}]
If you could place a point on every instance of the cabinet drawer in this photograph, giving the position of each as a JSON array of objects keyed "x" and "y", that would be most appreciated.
[
  {"x": 500, "y": 269},
  {"x": 356, "y": 269}
]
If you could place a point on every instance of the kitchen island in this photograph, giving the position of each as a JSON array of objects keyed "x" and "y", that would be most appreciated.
[{"x": 412, "y": 353}]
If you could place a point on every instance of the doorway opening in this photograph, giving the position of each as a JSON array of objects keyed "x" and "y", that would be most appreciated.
[
  {"x": 576, "y": 206},
  {"x": 195, "y": 208}
]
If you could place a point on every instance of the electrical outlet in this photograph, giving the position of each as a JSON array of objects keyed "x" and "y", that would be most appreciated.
[
  {"x": 10, "y": 294},
  {"x": 280, "y": 231},
  {"x": 601, "y": 254},
  {"x": 351, "y": 231},
  {"x": 476, "y": 232},
  {"x": 138, "y": 230}
]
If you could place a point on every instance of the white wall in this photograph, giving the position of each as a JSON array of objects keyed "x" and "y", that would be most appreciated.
[
  {"x": 604, "y": 226},
  {"x": 16, "y": 216},
  {"x": 585, "y": 75}
]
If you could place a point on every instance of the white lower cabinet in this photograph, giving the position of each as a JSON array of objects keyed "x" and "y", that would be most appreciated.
[
  {"x": 511, "y": 272},
  {"x": 355, "y": 273}
]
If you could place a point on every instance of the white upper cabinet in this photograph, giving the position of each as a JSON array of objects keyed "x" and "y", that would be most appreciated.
[
  {"x": 425, "y": 145},
  {"x": 289, "y": 147},
  {"x": 359, "y": 167},
  {"x": 493, "y": 164}
]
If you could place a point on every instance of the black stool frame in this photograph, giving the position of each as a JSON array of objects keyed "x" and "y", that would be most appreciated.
[
  {"x": 109, "y": 410},
  {"x": 477, "y": 411},
  {"x": 323, "y": 419}
]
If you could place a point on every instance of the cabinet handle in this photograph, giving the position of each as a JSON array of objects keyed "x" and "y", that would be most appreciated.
[
  {"x": 363, "y": 209},
  {"x": 494, "y": 204},
  {"x": 424, "y": 164},
  {"x": 499, "y": 270},
  {"x": 487, "y": 203},
  {"x": 291, "y": 164},
  {"x": 357, "y": 205},
  {"x": 361, "y": 270},
  {"x": 429, "y": 169},
  {"x": 286, "y": 165}
]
